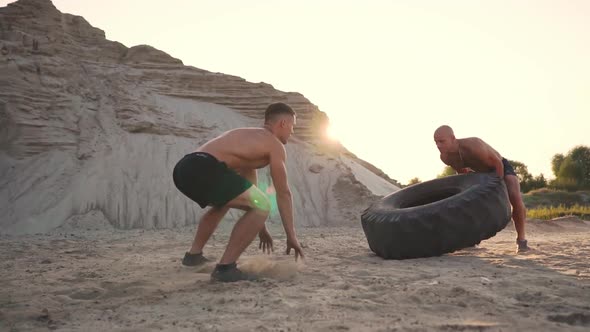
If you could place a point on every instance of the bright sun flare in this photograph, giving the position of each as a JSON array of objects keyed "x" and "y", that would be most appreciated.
[{"x": 331, "y": 132}]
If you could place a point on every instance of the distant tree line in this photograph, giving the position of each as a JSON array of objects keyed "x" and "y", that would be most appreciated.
[{"x": 572, "y": 172}]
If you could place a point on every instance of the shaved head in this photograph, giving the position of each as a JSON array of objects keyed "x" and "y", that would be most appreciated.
[
  {"x": 445, "y": 140},
  {"x": 444, "y": 131}
]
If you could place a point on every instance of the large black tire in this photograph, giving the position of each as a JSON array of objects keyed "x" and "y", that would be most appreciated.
[{"x": 437, "y": 217}]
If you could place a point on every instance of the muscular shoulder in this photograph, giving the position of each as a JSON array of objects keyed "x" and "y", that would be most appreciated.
[
  {"x": 277, "y": 149},
  {"x": 473, "y": 144},
  {"x": 271, "y": 144},
  {"x": 480, "y": 149}
]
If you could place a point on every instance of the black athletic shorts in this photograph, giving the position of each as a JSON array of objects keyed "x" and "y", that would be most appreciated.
[
  {"x": 208, "y": 181},
  {"x": 508, "y": 169}
]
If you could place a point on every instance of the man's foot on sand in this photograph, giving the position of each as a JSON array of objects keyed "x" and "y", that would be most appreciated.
[
  {"x": 230, "y": 273},
  {"x": 194, "y": 259},
  {"x": 522, "y": 246}
]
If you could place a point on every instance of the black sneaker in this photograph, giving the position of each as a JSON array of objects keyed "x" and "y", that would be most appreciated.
[
  {"x": 230, "y": 273},
  {"x": 194, "y": 259}
]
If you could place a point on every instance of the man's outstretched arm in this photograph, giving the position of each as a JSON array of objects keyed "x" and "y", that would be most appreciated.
[{"x": 278, "y": 173}]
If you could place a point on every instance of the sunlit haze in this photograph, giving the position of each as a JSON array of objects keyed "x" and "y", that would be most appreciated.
[{"x": 388, "y": 73}]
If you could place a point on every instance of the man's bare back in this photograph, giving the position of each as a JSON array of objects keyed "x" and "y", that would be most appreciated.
[
  {"x": 473, "y": 153},
  {"x": 244, "y": 148}
]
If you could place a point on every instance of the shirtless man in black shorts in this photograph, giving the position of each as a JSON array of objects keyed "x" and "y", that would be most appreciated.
[
  {"x": 473, "y": 154},
  {"x": 222, "y": 174}
]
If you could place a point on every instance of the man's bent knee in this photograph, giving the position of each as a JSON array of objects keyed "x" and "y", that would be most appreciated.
[
  {"x": 252, "y": 199},
  {"x": 259, "y": 201}
]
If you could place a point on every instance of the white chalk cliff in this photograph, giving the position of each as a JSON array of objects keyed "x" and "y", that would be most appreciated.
[{"x": 88, "y": 125}]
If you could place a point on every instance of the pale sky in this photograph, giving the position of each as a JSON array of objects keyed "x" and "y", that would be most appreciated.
[{"x": 387, "y": 73}]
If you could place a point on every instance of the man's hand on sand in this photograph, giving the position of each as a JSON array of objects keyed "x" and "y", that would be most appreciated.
[
  {"x": 265, "y": 241},
  {"x": 294, "y": 244}
]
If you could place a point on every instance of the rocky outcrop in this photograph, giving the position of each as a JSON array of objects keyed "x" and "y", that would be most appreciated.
[{"x": 88, "y": 124}]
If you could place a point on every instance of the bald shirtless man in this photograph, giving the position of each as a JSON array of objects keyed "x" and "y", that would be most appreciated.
[
  {"x": 473, "y": 154},
  {"x": 222, "y": 174}
]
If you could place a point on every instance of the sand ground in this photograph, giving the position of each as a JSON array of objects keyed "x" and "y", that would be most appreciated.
[{"x": 80, "y": 278}]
